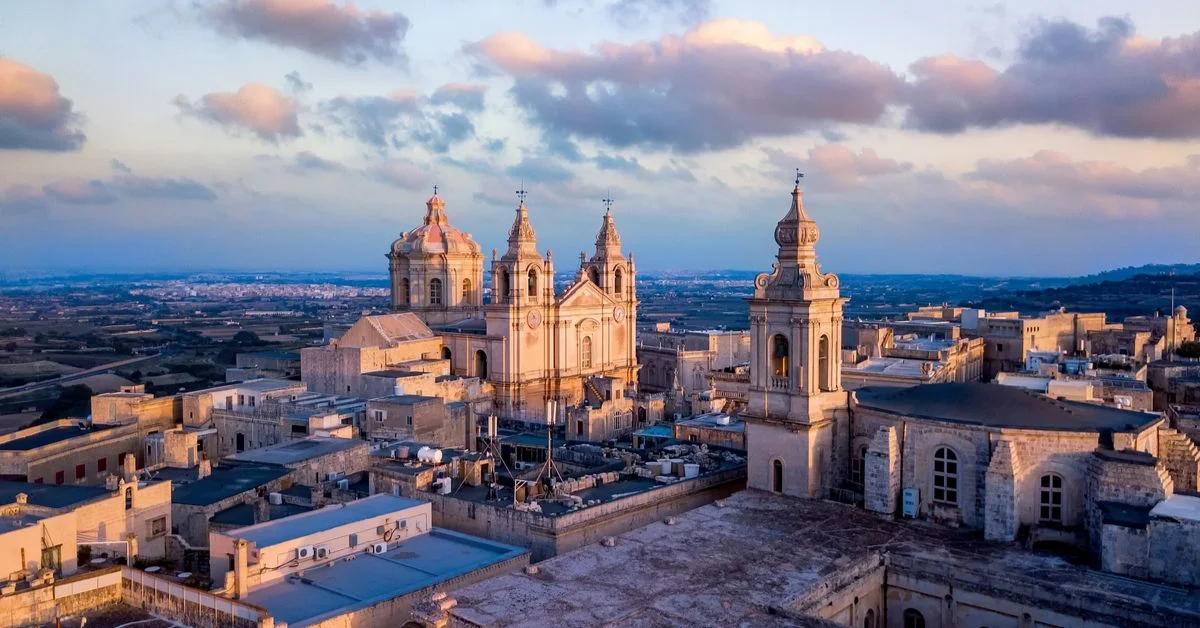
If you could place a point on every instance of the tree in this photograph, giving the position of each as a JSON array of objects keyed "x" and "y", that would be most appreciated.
[
  {"x": 73, "y": 401},
  {"x": 247, "y": 339},
  {"x": 1189, "y": 349}
]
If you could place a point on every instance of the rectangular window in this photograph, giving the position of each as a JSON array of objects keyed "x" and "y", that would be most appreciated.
[
  {"x": 579, "y": 427},
  {"x": 60, "y": 477},
  {"x": 408, "y": 420},
  {"x": 102, "y": 465},
  {"x": 228, "y": 402},
  {"x": 80, "y": 471},
  {"x": 157, "y": 527},
  {"x": 379, "y": 416},
  {"x": 299, "y": 429},
  {"x": 52, "y": 558},
  {"x": 241, "y": 400},
  {"x": 252, "y": 400}
]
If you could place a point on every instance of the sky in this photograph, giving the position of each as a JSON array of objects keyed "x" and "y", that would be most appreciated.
[{"x": 1049, "y": 137}]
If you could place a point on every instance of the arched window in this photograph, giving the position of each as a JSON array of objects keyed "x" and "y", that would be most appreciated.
[
  {"x": 502, "y": 289},
  {"x": 945, "y": 477},
  {"x": 435, "y": 291},
  {"x": 481, "y": 364},
  {"x": 913, "y": 618},
  {"x": 777, "y": 476},
  {"x": 825, "y": 377},
  {"x": 406, "y": 291},
  {"x": 445, "y": 353},
  {"x": 780, "y": 356},
  {"x": 869, "y": 620},
  {"x": 858, "y": 466},
  {"x": 466, "y": 295},
  {"x": 618, "y": 281},
  {"x": 594, "y": 275},
  {"x": 532, "y": 284},
  {"x": 1050, "y": 499},
  {"x": 585, "y": 352},
  {"x": 129, "y": 498}
]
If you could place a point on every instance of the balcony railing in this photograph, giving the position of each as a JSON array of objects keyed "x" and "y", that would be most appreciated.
[{"x": 779, "y": 383}]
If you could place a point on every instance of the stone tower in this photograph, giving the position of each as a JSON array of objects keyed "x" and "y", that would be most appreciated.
[
  {"x": 436, "y": 270},
  {"x": 797, "y": 412}
]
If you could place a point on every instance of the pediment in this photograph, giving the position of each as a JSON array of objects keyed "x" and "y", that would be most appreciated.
[{"x": 584, "y": 293}]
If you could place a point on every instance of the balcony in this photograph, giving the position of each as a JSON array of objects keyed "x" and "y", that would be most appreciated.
[{"x": 778, "y": 382}]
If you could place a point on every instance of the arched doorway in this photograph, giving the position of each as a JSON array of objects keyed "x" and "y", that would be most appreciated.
[
  {"x": 481, "y": 364},
  {"x": 445, "y": 353},
  {"x": 777, "y": 476},
  {"x": 240, "y": 442}
]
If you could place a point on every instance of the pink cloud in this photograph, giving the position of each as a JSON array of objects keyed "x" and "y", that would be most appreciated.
[
  {"x": 33, "y": 115},
  {"x": 255, "y": 107}
]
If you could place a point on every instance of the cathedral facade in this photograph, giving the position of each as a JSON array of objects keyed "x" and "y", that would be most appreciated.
[{"x": 534, "y": 343}]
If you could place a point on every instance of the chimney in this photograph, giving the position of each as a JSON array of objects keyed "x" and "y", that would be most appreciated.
[
  {"x": 129, "y": 467},
  {"x": 241, "y": 559},
  {"x": 204, "y": 469}
]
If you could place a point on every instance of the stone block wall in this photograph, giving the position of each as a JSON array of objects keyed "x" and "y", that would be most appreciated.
[
  {"x": 882, "y": 472},
  {"x": 1181, "y": 458},
  {"x": 1000, "y": 504},
  {"x": 1123, "y": 480},
  {"x": 1173, "y": 551}
]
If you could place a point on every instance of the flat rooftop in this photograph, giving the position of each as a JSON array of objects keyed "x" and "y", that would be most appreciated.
[
  {"x": 897, "y": 367},
  {"x": 406, "y": 399},
  {"x": 257, "y": 385},
  {"x": 296, "y": 451},
  {"x": 991, "y": 405},
  {"x": 49, "y": 437},
  {"x": 713, "y": 421},
  {"x": 51, "y": 495},
  {"x": 756, "y": 562},
  {"x": 414, "y": 564},
  {"x": 301, "y": 525},
  {"x": 1178, "y": 507},
  {"x": 243, "y": 514},
  {"x": 225, "y": 482},
  {"x": 8, "y": 523}
]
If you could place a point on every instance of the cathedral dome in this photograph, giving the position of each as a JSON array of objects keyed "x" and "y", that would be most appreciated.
[{"x": 436, "y": 236}]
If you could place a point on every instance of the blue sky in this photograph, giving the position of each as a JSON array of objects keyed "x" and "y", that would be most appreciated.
[{"x": 1052, "y": 137}]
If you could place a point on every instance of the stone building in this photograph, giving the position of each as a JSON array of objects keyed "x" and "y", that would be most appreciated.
[
  {"x": 1010, "y": 338},
  {"x": 531, "y": 342},
  {"x": 685, "y": 364},
  {"x": 198, "y": 406},
  {"x": 69, "y": 451},
  {"x": 876, "y": 355},
  {"x": 420, "y": 418}
]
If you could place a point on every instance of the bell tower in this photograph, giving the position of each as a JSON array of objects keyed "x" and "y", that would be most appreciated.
[{"x": 797, "y": 411}]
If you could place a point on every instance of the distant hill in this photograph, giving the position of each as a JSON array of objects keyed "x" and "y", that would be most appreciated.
[
  {"x": 1118, "y": 274},
  {"x": 1127, "y": 296}
]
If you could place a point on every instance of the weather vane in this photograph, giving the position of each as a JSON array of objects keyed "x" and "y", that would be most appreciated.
[
  {"x": 435, "y": 188},
  {"x": 607, "y": 200},
  {"x": 521, "y": 193},
  {"x": 799, "y": 175}
]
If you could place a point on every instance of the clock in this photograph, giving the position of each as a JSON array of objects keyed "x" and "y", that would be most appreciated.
[
  {"x": 534, "y": 319},
  {"x": 619, "y": 313}
]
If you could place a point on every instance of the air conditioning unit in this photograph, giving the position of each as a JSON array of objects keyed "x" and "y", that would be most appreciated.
[
  {"x": 343, "y": 484},
  {"x": 322, "y": 553},
  {"x": 304, "y": 552},
  {"x": 378, "y": 548}
]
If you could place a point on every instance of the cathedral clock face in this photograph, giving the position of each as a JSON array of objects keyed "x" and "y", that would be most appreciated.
[
  {"x": 534, "y": 319},
  {"x": 619, "y": 313}
]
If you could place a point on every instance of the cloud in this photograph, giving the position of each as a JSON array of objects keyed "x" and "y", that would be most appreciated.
[
  {"x": 255, "y": 107},
  {"x": 631, "y": 166},
  {"x": 120, "y": 166},
  {"x": 33, "y": 115},
  {"x": 717, "y": 86},
  {"x": 395, "y": 121},
  {"x": 1052, "y": 170},
  {"x": 339, "y": 32},
  {"x": 636, "y": 13},
  {"x": 400, "y": 173},
  {"x": 539, "y": 169},
  {"x": 124, "y": 185},
  {"x": 307, "y": 160},
  {"x": 296, "y": 84},
  {"x": 836, "y": 164},
  {"x": 1106, "y": 81},
  {"x": 466, "y": 96}
]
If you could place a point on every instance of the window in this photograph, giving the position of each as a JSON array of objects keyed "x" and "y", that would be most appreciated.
[
  {"x": 579, "y": 427},
  {"x": 858, "y": 467},
  {"x": 298, "y": 429},
  {"x": 353, "y": 541},
  {"x": 52, "y": 558},
  {"x": 779, "y": 356},
  {"x": 157, "y": 527},
  {"x": 406, "y": 291},
  {"x": 466, "y": 294},
  {"x": 913, "y": 618},
  {"x": 481, "y": 364},
  {"x": 532, "y": 287},
  {"x": 618, "y": 281},
  {"x": 240, "y": 439},
  {"x": 252, "y": 399},
  {"x": 825, "y": 379},
  {"x": 869, "y": 620},
  {"x": 586, "y": 352},
  {"x": 695, "y": 438},
  {"x": 228, "y": 402},
  {"x": 446, "y": 353},
  {"x": 379, "y": 416},
  {"x": 80, "y": 471},
  {"x": 129, "y": 498},
  {"x": 60, "y": 477},
  {"x": 777, "y": 476},
  {"x": 594, "y": 275},
  {"x": 435, "y": 291},
  {"x": 999, "y": 347},
  {"x": 408, "y": 420},
  {"x": 241, "y": 400},
  {"x": 1050, "y": 500},
  {"x": 121, "y": 460},
  {"x": 503, "y": 285},
  {"x": 945, "y": 477}
]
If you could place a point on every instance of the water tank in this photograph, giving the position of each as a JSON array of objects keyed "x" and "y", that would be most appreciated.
[
  {"x": 422, "y": 453},
  {"x": 275, "y": 498},
  {"x": 723, "y": 419},
  {"x": 398, "y": 390},
  {"x": 691, "y": 470}
]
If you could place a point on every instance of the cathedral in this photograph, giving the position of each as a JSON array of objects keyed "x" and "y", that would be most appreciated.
[{"x": 544, "y": 350}]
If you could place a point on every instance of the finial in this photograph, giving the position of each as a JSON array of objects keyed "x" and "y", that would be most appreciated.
[
  {"x": 799, "y": 175},
  {"x": 521, "y": 193},
  {"x": 435, "y": 189},
  {"x": 582, "y": 258},
  {"x": 607, "y": 200}
]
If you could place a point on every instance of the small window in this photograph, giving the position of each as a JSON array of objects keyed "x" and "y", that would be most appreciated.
[
  {"x": 121, "y": 460},
  {"x": 353, "y": 540},
  {"x": 777, "y": 476},
  {"x": 129, "y": 498},
  {"x": 945, "y": 477},
  {"x": 408, "y": 420},
  {"x": 586, "y": 352},
  {"x": 466, "y": 291},
  {"x": 435, "y": 291},
  {"x": 60, "y": 477},
  {"x": 913, "y": 618},
  {"x": 299, "y": 429},
  {"x": 869, "y": 620},
  {"x": 406, "y": 291},
  {"x": 1050, "y": 499},
  {"x": 694, "y": 438},
  {"x": 157, "y": 527},
  {"x": 858, "y": 467},
  {"x": 379, "y": 416},
  {"x": 80, "y": 471},
  {"x": 579, "y": 427}
]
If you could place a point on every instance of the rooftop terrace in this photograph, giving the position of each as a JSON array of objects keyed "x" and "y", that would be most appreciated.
[
  {"x": 225, "y": 482},
  {"x": 275, "y": 532},
  {"x": 51, "y": 495},
  {"x": 297, "y": 451},
  {"x": 48, "y": 437},
  {"x": 413, "y": 564}
]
